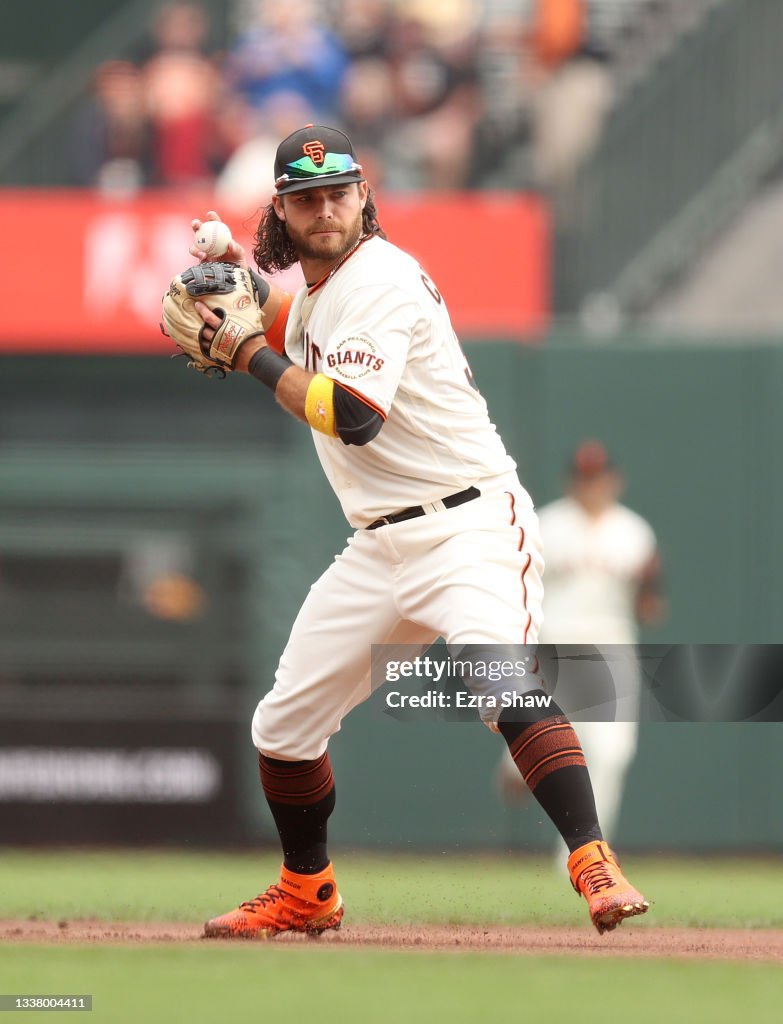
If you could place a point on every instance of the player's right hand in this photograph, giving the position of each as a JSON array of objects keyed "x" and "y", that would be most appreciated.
[{"x": 234, "y": 254}]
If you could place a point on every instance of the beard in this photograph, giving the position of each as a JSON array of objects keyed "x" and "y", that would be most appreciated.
[{"x": 309, "y": 245}]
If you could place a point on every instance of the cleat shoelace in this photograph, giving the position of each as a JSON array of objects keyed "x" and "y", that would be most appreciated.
[
  {"x": 596, "y": 878},
  {"x": 270, "y": 897}
]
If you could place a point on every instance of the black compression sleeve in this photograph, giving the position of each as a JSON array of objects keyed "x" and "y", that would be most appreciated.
[
  {"x": 355, "y": 422},
  {"x": 268, "y": 367}
]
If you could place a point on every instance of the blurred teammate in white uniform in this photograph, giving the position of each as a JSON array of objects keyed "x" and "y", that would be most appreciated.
[
  {"x": 602, "y": 582},
  {"x": 445, "y": 539}
]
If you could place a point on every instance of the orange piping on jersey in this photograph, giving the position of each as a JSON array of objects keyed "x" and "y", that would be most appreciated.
[
  {"x": 275, "y": 333},
  {"x": 527, "y": 565},
  {"x": 363, "y": 398},
  {"x": 524, "y": 593},
  {"x": 322, "y": 280}
]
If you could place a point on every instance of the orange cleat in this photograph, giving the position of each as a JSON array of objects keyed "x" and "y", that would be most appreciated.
[
  {"x": 610, "y": 897},
  {"x": 297, "y": 903}
]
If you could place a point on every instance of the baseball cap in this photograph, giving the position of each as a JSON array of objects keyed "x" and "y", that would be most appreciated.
[
  {"x": 590, "y": 459},
  {"x": 313, "y": 156}
]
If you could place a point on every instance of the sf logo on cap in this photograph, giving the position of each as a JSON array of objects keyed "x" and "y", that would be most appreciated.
[{"x": 316, "y": 152}]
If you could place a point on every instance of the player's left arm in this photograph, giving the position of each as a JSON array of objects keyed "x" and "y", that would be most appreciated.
[
  {"x": 373, "y": 332},
  {"x": 361, "y": 364},
  {"x": 313, "y": 398},
  {"x": 317, "y": 400}
]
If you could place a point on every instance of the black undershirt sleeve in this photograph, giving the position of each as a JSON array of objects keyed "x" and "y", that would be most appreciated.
[{"x": 355, "y": 422}]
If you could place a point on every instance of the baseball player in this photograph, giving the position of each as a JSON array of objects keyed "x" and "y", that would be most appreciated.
[
  {"x": 603, "y": 581},
  {"x": 445, "y": 539}
]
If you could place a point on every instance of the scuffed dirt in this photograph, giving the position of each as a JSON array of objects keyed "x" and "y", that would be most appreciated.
[{"x": 628, "y": 940}]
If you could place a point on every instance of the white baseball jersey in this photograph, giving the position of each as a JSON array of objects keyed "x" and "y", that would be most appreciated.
[
  {"x": 592, "y": 572},
  {"x": 379, "y": 327},
  {"x": 471, "y": 573}
]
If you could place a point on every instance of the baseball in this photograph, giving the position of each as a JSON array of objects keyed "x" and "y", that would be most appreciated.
[{"x": 213, "y": 238}]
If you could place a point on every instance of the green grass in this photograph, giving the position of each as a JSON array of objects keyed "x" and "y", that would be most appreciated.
[
  {"x": 462, "y": 889},
  {"x": 263, "y": 983},
  {"x": 217, "y": 983}
]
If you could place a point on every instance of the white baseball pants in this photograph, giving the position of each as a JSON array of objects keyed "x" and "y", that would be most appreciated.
[{"x": 471, "y": 574}]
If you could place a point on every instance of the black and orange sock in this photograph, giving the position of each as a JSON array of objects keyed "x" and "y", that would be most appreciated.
[
  {"x": 549, "y": 756},
  {"x": 301, "y": 797}
]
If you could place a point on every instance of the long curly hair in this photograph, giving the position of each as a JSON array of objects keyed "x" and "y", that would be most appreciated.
[{"x": 274, "y": 250}]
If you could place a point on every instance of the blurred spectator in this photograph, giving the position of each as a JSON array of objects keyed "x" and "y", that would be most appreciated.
[
  {"x": 183, "y": 92},
  {"x": 465, "y": 94},
  {"x": 247, "y": 180},
  {"x": 567, "y": 116},
  {"x": 432, "y": 60},
  {"x": 369, "y": 114},
  {"x": 288, "y": 51},
  {"x": 508, "y": 76},
  {"x": 178, "y": 25},
  {"x": 558, "y": 30},
  {"x": 365, "y": 27},
  {"x": 546, "y": 92},
  {"x": 573, "y": 93},
  {"x": 112, "y": 135}
]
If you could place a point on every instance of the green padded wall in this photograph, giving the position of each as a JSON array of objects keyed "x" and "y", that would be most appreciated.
[{"x": 698, "y": 431}]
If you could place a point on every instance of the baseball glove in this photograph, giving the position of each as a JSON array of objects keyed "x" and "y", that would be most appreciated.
[{"x": 231, "y": 293}]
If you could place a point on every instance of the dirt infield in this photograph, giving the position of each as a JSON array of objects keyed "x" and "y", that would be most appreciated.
[{"x": 691, "y": 943}]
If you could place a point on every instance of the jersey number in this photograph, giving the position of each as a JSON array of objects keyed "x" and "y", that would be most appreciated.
[{"x": 429, "y": 285}]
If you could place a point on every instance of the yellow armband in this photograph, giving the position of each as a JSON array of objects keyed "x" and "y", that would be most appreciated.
[{"x": 319, "y": 404}]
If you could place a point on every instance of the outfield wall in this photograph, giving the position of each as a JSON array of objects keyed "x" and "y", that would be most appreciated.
[{"x": 98, "y": 455}]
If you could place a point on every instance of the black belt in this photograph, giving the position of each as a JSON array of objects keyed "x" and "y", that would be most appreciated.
[{"x": 450, "y": 501}]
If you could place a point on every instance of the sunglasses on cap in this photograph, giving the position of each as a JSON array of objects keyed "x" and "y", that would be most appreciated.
[{"x": 332, "y": 163}]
